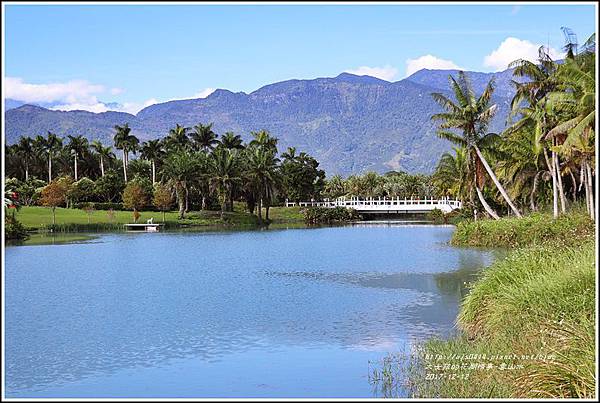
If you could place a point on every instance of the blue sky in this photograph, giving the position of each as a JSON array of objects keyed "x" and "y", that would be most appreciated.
[{"x": 77, "y": 56}]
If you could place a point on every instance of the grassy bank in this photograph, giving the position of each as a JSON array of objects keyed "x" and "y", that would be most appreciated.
[
  {"x": 76, "y": 220},
  {"x": 527, "y": 326}
]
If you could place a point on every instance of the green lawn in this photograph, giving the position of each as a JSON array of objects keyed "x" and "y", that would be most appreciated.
[{"x": 40, "y": 217}]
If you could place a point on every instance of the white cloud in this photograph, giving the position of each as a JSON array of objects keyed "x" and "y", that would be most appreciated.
[
  {"x": 429, "y": 62},
  {"x": 116, "y": 91},
  {"x": 75, "y": 91},
  {"x": 515, "y": 10},
  {"x": 135, "y": 107},
  {"x": 512, "y": 49},
  {"x": 96, "y": 107},
  {"x": 386, "y": 72},
  {"x": 203, "y": 94}
]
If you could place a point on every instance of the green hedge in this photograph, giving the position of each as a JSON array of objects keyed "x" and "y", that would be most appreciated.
[{"x": 324, "y": 215}]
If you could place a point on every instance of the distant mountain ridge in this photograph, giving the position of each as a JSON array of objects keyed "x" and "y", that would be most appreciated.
[{"x": 350, "y": 123}]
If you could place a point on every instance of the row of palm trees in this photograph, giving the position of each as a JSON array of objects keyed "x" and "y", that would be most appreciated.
[
  {"x": 193, "y": 162},
  {"x": 549, "y": 138}
]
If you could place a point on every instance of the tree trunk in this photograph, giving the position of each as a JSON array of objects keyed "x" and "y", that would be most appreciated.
[
  {"x": 153, "y": 173},
  {"x": 561, "y": 191},
  {"x": 590, "y": 191},
  {"x": 181, "y": 202},
  {"x": 163, "y": 215},
  {"x": 53, "y": 215},
  {"x": 76, "y": 168},
  {"x": 102, "y": 166},
  {"x": 574, "y": 191},
  {"x": 26, "y": 171},
  {"x": 49, "y": 167},
  {"x": 259, "y": 207},
  {"x": 187, "y": 199},
  {"x": 533, "y": 190},
  {"x": 267, "y": 206},
  {"x": 203, "y": 207},
  {"x": 554, "y": 187},
  {"x": 124, "y": 165},
  {"x": 497, "y": 182},
  {"x": 486, "y": 206}
]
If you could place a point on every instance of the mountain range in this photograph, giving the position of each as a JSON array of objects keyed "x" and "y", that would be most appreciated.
[{"x": 350, "y": 123}]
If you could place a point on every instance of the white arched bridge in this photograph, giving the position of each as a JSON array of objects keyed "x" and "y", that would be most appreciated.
[{"x": 394, "y": 205}]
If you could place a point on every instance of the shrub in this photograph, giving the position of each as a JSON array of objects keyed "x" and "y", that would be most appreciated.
[
  {"x": 324, "y": 215},
  {"x": 13, "y": 229},
  {"x": 82, "y": 190},
  {"x": 437, "y": 216}
]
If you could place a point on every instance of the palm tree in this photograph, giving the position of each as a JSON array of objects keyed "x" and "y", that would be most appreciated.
[
  {"x": 579, "y": 131},
  {"x": 471, "y": 115},
  {"x": 177, "y": 139},
  {"x": 289, "y": 154},
  {"x": 152, "y": 150},
  {"x": 334, "y": 187},
  {"x": 78, "y": 145},
  {"x": 453, "y": 174},
  {"x": 126, "y": 142},
  {"x": 263, "y": 139},
  {"x": 104, "y": 153},
  {"x": 53, "y": 145},
  {"x": 26, "y": 151},
  {"x": 262, "y": 171},
  {"x": 178, "y": 170},
  {"x": 232, "y": 141},
  {"x": 522, "y": 164},
  {"x": 224, "y": 174},
  {"x": 204, "y": 137},
  {"x": 540, "y": 81}
]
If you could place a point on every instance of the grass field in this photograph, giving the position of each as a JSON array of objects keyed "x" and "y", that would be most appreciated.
[{"x": 40, "y": 217}]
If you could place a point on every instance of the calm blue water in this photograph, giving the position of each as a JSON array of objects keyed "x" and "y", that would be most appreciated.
[{"x": 276, "y": 313}]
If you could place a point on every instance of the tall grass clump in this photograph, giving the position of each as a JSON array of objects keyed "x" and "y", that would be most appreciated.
[
  {"x": 568, "y": 229},
  {"x": 535, "y": 308}
]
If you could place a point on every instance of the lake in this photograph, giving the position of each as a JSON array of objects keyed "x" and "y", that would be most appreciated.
[{"x": 270, "y": 313}]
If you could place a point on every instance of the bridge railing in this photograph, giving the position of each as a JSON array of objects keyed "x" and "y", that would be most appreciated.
[{"x": 356, "y": 202}]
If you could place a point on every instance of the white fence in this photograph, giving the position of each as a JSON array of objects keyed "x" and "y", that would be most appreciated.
[{"x": 385, "y": 205}]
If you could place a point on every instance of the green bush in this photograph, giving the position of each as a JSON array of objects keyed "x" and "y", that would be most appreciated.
[
  {"x": 13, "y": 229},
  {"x": 437, "y": 216},
  {"x": 324, "y": 215}
]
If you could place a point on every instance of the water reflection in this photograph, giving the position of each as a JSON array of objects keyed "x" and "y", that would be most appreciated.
[{"x": 81, "y": 313}]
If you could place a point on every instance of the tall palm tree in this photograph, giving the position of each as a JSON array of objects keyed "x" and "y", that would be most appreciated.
[
  {"x": 522, "y": 164},
  {"x": 232, "y": 141},
  {"x": 540, "y": 81},
  {"x": 262, "y": 171},
  {"x": 453, "y": 174},
  {"x": 78, "y": 145},
  {"x": 52, "y": 145},
  {"x": 471, "y": 115},
  {"x": 264, "y": 139},
  {"x": 578, "y": 131},
  {"x": 26, "y": 151},
  {"x": 152, "y": 150},
  {"x": 178, "y": 170},
  {"x": 177, "y": 139},
  {"x": 104, "y": 153},
  {"x": 224, "y": 174},
  {"x": 204, "y": 137},
  {"x": 122, "y": 141}
]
